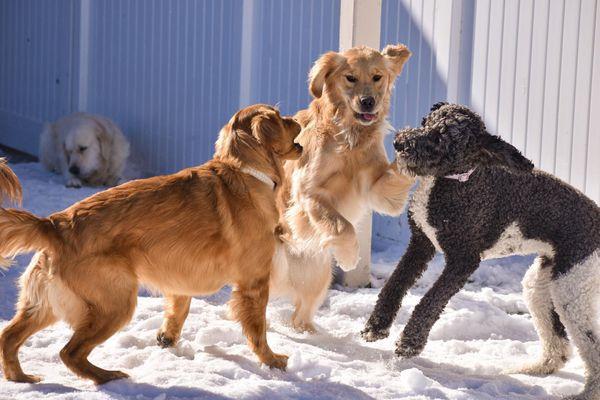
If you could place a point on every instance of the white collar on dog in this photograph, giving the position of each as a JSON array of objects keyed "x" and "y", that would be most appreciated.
[
  {"x": 261, "y": 176},
  {"x": 461, "y": 177}
]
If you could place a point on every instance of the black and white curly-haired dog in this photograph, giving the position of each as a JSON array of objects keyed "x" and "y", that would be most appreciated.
[{"x": 479, "y": 198}]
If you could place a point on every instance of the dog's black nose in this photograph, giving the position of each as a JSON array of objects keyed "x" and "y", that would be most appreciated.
[
  {"x": 74, "y": 169},
  {"x": 298, "y": 146},
  {"x": 399, "y": 145},
  {"x": 367, "y": 103}
]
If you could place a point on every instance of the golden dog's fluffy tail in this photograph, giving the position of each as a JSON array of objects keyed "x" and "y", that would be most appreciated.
[
  {"x": 10, "y": 187},
  {"x": 21, "y": 231}
]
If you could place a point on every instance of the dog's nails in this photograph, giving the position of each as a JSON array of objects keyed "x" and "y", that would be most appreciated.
[{"x": 164, "y": 341}]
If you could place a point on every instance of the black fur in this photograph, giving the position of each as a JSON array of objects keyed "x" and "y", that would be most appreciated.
[{"x": 469, "y": 217}]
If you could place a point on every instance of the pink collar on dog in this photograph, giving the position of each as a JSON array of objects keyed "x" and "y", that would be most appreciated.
[{"x": 461, "y": 177}]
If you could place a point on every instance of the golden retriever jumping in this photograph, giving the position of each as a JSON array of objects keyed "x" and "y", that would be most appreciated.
[
  {"x": 184, "y": 234},
  {"x": 342, "y": 173}
]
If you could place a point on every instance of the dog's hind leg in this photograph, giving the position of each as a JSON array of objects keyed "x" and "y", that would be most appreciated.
[
  {"x": 249, "y": 305},
  {"x": 33, "y": 314},
  {"x": 24, "y": 324},
  {"x": 176, "y": 311},
  {"x": 555, "y": 344},
  {"x": 420, "y": 251},
  {"x": 311, "y": 278},
  {"x": 575, "y": 295},
  {"x": 110, "y": 296}
]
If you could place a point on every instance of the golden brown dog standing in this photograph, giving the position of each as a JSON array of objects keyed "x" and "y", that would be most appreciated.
[
  {"x": 184, "y": 234},
  {"x": 342, "y": 173}
]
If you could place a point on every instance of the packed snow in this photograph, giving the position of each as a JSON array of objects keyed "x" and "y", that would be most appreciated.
[{"x": 485, "y": 331}]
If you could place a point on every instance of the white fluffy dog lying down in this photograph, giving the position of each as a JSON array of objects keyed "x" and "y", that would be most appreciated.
[{"x": 86, "y": 149}]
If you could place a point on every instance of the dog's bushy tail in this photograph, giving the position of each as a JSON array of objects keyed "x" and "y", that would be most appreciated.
[
  {"x": 21, "y": 231},
  {"x": 10, "y": 187}
]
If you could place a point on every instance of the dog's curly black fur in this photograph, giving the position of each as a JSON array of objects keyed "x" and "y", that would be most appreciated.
[{"x": 480, "y": 198}]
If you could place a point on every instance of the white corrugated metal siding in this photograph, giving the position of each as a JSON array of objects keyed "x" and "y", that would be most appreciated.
[{"x": 536, "y": 81}]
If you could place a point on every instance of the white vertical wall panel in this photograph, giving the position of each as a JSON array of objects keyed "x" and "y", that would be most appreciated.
[
  {"x": 35, "y": 67},
  {"x": 535, "y": 80}
]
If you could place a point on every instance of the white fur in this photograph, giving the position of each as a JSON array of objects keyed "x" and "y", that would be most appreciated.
[
  {"x": 103, "y": 160},
  {"x": 418, "y": 207},
  {"x": 537, "y": 295},
  {"x": 575, "y": 295},
  {"x": 512, "y": 242}
]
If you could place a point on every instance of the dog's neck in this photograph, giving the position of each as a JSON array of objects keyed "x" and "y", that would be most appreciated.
[
  {"x": 261, "y": 176},
  {"x": 249, "y": 155}
]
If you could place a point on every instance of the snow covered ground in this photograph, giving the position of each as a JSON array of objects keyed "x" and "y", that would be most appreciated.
[{"x": 485, "y": 330}]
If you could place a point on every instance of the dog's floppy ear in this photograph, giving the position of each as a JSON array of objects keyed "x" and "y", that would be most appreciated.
[
  {"x": 322, "y": 68},
  {"x": 495, "y": 151},
  {"x": 396, "y": 56},
  {"x": 105, "y": 144},
  {"x": 265, "y": 127}
]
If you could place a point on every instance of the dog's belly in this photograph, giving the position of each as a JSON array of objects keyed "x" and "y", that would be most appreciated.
[
  {"x": 183, "y": 279},
  {"x": 513, "y": 242}
]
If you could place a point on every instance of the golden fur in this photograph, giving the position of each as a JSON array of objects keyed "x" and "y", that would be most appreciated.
[
  {"x": 184, "y": 234},
  {"x": 342, "y": 173},
  {"x": 11, "y": 188}
]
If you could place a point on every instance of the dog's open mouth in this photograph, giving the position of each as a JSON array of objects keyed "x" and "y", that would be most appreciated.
[{"x": 365, "y": 117}]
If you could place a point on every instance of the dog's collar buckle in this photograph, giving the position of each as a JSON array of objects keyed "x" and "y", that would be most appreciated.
[
  {"x": 261, "y": 176},
  {"x": 461, "y": 177}
]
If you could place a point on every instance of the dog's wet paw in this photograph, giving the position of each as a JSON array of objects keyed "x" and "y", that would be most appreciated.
[
  {"x": 372, "y": 335},
  {"x": 164, "y": 341},
  {"x": 107, "y": 376},
  {"x": 406, "y": 350},
  {"x": 302, "y": 327},
  {"x": 347, "y": 257},
  {"x": 24, "y": 378},
  {"x": 278, "y": 361},
  {"x": 536, "y": 369}
]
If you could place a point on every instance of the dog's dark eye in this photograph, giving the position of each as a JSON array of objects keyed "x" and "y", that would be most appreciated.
[
  {"x": 376, "y": 78},
  {"x": 82, "y": 148},
  {"x": 351, "y": 78}
]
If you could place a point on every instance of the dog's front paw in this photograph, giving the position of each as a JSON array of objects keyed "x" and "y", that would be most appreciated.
[
  {"x": 278, "y": 361},
  {"x": 408, "y": 348},
  {"x": 347, "y": 254},
  {"x": 370, "y": 334},
  {"x": 164, "y": 341},
  {"x": 73, "y": 183}
]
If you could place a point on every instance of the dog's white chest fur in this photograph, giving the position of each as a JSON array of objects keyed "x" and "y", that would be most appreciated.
[
  {"x": 512, "y": 242},
  {"x": 420, "y": 213}
]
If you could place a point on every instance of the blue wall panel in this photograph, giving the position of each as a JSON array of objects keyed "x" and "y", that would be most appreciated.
[
  {"x": 35, "y": 68},
  {"x": 167, "y": 72},
  {"x": 288, "y": 37}
]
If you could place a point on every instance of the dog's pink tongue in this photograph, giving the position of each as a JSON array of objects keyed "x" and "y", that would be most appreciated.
[{"x": 369, "y": 117}]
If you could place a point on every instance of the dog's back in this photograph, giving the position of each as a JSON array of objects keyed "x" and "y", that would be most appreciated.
[{"x": 504, "y": 213}]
